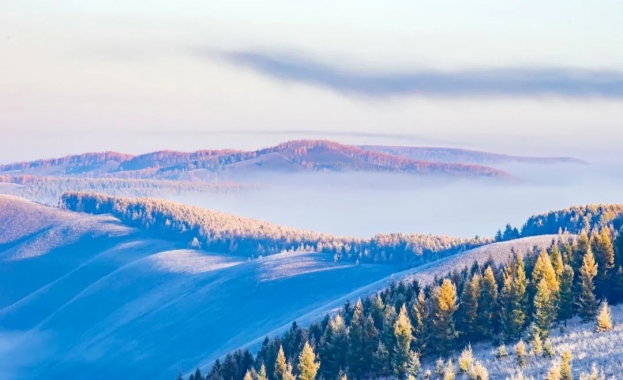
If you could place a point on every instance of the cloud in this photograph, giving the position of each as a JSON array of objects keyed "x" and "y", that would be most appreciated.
[{"x": 515, "y": 82}]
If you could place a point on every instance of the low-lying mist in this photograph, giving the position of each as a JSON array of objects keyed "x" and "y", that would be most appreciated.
[{"x": 363, "y": 204}]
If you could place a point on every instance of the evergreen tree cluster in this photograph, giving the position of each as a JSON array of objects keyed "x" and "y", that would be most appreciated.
[
  {"x": 573, "y": 220},
  {"x": 386, "y": 334},
  {"x": 223, "y": 233}
]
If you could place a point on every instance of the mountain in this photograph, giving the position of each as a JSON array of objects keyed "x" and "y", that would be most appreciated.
[
  {"x": 466, "y": 156},
  {"x": 293, "y": 156},
  {"x": 89, "y": 294}
]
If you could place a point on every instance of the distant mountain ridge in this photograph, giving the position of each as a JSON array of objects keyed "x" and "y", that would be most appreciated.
[
  {"x": 291, "y": 156},
  {"x": 467, "y": 156}
]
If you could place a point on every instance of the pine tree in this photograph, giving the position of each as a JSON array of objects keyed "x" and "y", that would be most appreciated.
[
  {"x": 402, "y": 347},
  {"x": 604, "y": 255},
  {"x": 566, "y": 372},
  {"x": 288, "y": 375},
  {"x": 308, "y": 368},
  {"x": 513, "y": 298},
  {"x": 419, "y": 317},
  {"x": 262, "y": 375},
  {"x": 381, "y": 362},
  {"x": 556, "y": 259},
  {"x": 537, "y": 345},
  {"x": 478, "y": 372},
  {"x": 548, "y": 349},
  {"x": 443, "y": 307},
  {"x": 413, "y": 368},
  {"x": 468, "y": 309},
  {"x": 604, "y": 318},
  {"x": 581, "y": 248},
  {"x": 466, "y": 360},
  {"x": 521, "y": 354},
  {"x": 377, "y": 312},
  {"x": 616, "y": 293},
  {"x": 387, "y": 335},
  {"x": 280, "y": 365},
  {"x": 566, "y": 298},
  {"x": 449, "y": 373},
  {"x": 587, "y": 303},
  {"x": 544, "y": 308},
  {"x": 356, "y": 343},
  {"x": 543, "y": 269},
  {"x": 333, "y": 347},
  {"x": 554, "y": 372},
  {"x": 486, "y": 304}
]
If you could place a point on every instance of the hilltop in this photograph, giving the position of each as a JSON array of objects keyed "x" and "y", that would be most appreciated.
[
  {"x": 467, "y": 156},
  {"x": 288, "y": 157},
  {"x": 106, "y": 295}
]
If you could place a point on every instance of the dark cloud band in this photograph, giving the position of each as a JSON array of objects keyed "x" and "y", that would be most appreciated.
[{"x": 496, "y": 82}]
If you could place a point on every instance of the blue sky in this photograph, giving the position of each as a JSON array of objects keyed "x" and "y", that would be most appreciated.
[{"x": 515, "y": 76}]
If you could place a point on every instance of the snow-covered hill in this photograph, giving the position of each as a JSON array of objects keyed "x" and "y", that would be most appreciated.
[{"x": 83, "y": 294}]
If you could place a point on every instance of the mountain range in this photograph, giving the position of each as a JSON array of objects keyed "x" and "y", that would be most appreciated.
[{"x": 289, "y": 157}]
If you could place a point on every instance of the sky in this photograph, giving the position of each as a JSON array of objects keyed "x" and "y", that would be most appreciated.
[{"x": 520, "y": 77}]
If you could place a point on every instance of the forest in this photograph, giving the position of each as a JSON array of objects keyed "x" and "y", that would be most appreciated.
[
  {"x": 51, "y": 188},
  {"x": 222, "y": 233},
  {"x": 572, "y": 220},
  {"x": 309, "y": 154},
  {"x": 390, "y": 333}
]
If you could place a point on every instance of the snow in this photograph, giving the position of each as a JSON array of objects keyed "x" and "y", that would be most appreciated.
[
  {"x": 109, "y": 302},
  {"x": 586, "y": 347}
]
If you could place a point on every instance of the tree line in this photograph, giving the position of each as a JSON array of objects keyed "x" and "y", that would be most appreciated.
[
  {"x": 44, "y": 189},
  {"x": 386, "y": 334},
  {"x": 573, "y": 220},
  {"x": 222, "y": 233}
]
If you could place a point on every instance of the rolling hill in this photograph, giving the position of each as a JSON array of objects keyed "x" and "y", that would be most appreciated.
[
  {"x": 466, "y": 156},
  {"x": 91, "y": 295},
  {"x": 289, "y": 157}
]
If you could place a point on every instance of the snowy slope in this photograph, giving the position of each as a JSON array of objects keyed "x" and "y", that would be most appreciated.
[{"x": 85, "y": 294}]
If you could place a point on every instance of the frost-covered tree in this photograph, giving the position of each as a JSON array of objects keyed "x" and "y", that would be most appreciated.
[
  {"x": 587, "y": 302},
  {"x": 566, "y": 297},
  {"x": 603, "y": 318},
  {"x": 487, "y": 304},
  {"x": 521, "y": 354},
  {"x": 402, "y": 347},
  {"x": 308, "y": 367},
  {"x": 443, "y": 307},
  {"x": 544, "y": 307},
  {"x": 466, "y": 359},
  {"x": 566, "y": 370}
]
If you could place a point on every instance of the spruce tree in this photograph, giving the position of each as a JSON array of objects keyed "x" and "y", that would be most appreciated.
[
  {"x": 513, "y": 299},
  {"x": 556, "y": 259},
  {"x": 443, "y": 307},
  {"x": 566, "y": 371},
  {"x": 616, "y": 293},
  {"x": 381, "y": 362},
  {"x": 486, "y": 304},
  {"x": 544, "y": 308},
  {"x": 587, "y": 303},
  {"x": 333, "y": 347},
  {"x": 262, "y": 374},
  {"x": 521, "y": 355},
  {"x": 387, "y": 336},
  {"x": 604, "y": 318},
  {"x": 604, "y": 255},
  {"x": 420, "y": 315},
  {"x": 377, "y": 312},
  {"x": 467, "y": 323},
  {"x": 356, "y": 343},
  {"x": 566, "y": 298},
  {"x": 402, "y": 347},
  {"x": 308, "y": 367},
  {"x": 581, "y": 248},
  {"x": 280, "y": 365}
]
